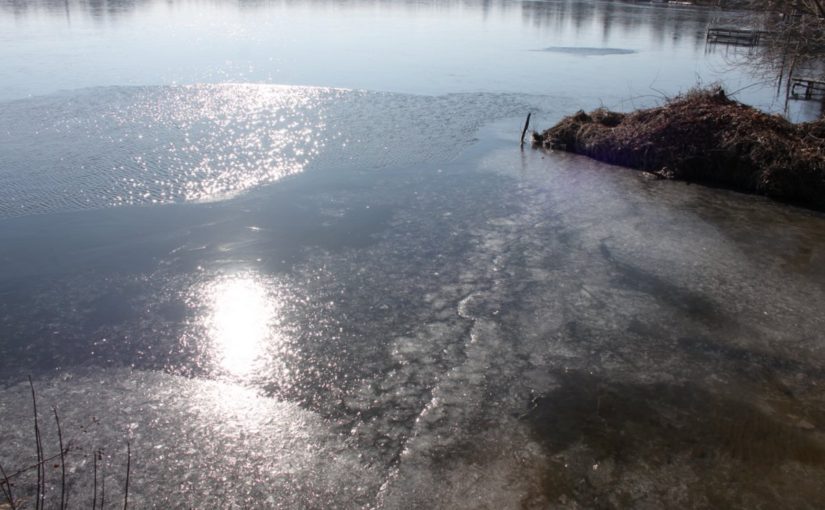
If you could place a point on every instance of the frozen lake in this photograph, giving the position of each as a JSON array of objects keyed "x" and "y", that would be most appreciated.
[{"x": 292, "y": 252}]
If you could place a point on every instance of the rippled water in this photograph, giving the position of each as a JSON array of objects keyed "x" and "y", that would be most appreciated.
[
  {"x": 316, "y": 297},
  {"x": 113, "y": 146}
]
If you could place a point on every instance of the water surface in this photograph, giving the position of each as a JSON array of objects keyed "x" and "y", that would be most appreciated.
[
  {"x": 345, "y": 285},
  {"x": 419, "y": 47}
]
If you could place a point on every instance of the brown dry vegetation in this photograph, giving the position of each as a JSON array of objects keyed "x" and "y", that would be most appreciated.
[{"x": 704, "y": 136}]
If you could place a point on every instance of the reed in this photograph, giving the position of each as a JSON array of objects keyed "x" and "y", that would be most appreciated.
[{"x": 10, "y": 494}]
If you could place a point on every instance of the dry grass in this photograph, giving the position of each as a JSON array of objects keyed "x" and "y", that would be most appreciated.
[{"x": 704, "y": 136}]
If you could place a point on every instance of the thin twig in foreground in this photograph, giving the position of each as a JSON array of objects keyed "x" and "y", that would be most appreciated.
[
  {"x": 128, "y": 467},
  {"x": 33, "y": 466},
  {"x": 62, "y": 461},
  {"x": 94, "y": 489},
  {"x": 7, "y": 489},
  {"x": 102, "y": 483},
  {"x": 41, "y": 472}
]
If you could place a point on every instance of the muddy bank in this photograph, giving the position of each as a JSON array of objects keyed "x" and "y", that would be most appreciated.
[{"x": 704, "y": 136}]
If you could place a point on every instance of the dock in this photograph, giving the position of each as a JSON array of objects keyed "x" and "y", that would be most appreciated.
[
  {"x": 811, "y": 86},
  {"x": 733, "y": 36}
]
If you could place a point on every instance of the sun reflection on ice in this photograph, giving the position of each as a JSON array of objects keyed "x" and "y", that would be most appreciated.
[{"x": 240, "y": 322}]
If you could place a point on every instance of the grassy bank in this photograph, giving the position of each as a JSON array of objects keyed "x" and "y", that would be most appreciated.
[{"x": 706, "y": 137}]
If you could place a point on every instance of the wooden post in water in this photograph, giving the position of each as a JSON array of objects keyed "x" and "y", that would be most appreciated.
[{"x": 526, "y": 125}]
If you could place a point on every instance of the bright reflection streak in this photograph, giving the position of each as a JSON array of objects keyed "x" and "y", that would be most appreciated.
[{"x": 239, "y": 322}]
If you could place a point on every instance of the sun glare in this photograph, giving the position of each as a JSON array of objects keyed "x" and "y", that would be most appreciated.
[{"x": 239, "y": 323}]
